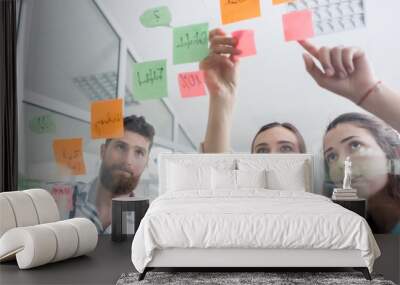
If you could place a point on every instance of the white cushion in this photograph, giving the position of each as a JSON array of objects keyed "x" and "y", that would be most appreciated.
[
  {"x": 251, "y": 178},
  {"x": 67, "y": 239},
  {"x": 45, "y": 205},
  {"x": 40, "y": 244},
  {"x": 7, "y": 218},
  {"x": 282, "y": 173},
  {"x": 187, "y": 177},
  {"x": 87, "y": 233},
  {"x": 223, "y": 179},
  {"x": 32, "y": 246},
  {"x": 23, "y": 208},
  {"x": 278, "y": 180},
  {"x": 26, "y": 208}
]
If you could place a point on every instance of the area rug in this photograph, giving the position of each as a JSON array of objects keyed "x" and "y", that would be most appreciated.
[{"x": 243, "y": 278}]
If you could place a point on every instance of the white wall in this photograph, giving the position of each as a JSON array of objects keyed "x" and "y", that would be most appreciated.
[{"x": 273, "y": 85}]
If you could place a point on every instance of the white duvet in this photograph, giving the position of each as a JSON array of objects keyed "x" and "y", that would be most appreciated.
[{"x": 250, "y": 218}]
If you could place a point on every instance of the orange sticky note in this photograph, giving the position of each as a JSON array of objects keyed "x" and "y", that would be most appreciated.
[
  {"x": 238, "y": 10},
  {"x": 298, "y": 25},
  {"x": 246, "y": 43},
  {"x": 68, "y": 153},
  {"x": 107, "y": 119},
  {"x": 277, "y": 2},
  {"x": 191, "y": 84}
]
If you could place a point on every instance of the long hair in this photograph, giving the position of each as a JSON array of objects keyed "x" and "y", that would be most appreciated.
[
  {"x": 386, "y": 137},
  {"x": 289, "y": 126}
]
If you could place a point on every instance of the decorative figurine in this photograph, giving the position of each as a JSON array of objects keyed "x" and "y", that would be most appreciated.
[{"x": 347, "y": 174}]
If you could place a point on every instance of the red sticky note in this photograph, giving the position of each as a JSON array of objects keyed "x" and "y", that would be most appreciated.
[
  {"x": 246, "y": 43},
  {"x": 63, "y": 195},
  {"x": 298, "y": 25},
  {"x": 191, "y": 84}
]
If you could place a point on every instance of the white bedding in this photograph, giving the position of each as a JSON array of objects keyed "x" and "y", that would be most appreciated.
[{"x": 251, "y": 218}]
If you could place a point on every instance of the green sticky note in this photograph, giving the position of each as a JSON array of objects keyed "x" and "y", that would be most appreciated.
[
  {"x": 150, "y": 80},
  {"x": 190, "y": 43},
  {"x": 42, "y": 124},
  {"x": 156, "y": 17},
  {"x": 28, "y": 183}
]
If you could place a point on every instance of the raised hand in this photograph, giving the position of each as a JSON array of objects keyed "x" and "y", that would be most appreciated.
[
  {"x": 346, "y": 70},
  {"x": 220, "y": 66},
  {"x": 220, "y": 69}
]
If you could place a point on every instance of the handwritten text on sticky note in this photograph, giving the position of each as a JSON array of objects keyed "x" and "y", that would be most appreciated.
[
  {"x": 69, "y": 154},
  {"x": 190, "y": 43},
  {"x": 107, "y": 119},
  {"x": 156, "y": 17},
  {"x": 298, "y": 25},
  {"x": 238, "y": 10},
  {"x": 191, "y": 84},
  {"x": 150, "y": 80},
  {"x": 42, "y": 124},
  {"x": 246, "y": 43}
]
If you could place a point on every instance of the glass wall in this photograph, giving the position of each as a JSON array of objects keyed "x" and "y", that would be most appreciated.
[{"x": 72, "y": 58}]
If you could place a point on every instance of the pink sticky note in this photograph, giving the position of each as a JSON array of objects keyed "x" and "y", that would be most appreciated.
[
  {"x": 191, "y": 84},
  {"x": 298, "y": 25},
  {"x": 246, "y": 43}
]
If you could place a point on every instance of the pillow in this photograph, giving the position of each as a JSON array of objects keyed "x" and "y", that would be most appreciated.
[
  {"x": 251, "y": 178},
  {"x": 282, "y": 173},
  {"x": 223, "y": 179},
  {"x": 187, "y": 177},
  {"x": 295, "y": 181}
]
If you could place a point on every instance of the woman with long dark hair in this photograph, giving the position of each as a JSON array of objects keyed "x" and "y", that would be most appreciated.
[
  {"x": 374, "y": 149},
  {"x": 373, "y": 145}
]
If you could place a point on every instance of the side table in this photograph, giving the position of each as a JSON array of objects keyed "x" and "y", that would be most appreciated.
[
  {"x": 358, "y": 206},
  {"x": 120, "y": 208}
]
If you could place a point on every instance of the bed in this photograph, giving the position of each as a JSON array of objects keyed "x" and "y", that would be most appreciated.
[{"x": 247, "y": 211}]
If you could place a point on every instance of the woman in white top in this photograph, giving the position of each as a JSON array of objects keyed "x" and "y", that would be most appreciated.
[{"x": 220, "y": 70}]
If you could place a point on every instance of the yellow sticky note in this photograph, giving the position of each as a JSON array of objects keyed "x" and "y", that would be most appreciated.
[
  {"x": 238, "y": 10},
  {"x": 68, "y": 153},
  {"x": 277, "y": 2},
  {"x": 107, "y": 119}
]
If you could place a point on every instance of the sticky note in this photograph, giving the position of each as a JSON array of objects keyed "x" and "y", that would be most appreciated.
[
  {"x": 68, "y": 153},
  {"x": 238, "y": 10},
  {"x": 246, "y": 43},
  {"x": 191, "y": 84},
  {"x": 42, "y": 124},
  {"x": 156, "y": 17},
  {"x": 150, "y": 80},
  {"x": 298, "y": 25},
  {"x": 277, "y": 2},
  {"x": 107, "y": 119},
  {"x": 63, "y": 195},
  {"x": 190, "y": 43}
]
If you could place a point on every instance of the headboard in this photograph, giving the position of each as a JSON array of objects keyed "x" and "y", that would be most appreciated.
[{"x": 280, "y": 163}]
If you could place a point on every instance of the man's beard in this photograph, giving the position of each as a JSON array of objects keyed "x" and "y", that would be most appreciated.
[{"x": 117, "y": 183}]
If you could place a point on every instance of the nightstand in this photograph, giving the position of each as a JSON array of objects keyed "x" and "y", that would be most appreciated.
[
  {"x": 121, "y": 207},
  {"x": 358, "y": 206}
]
